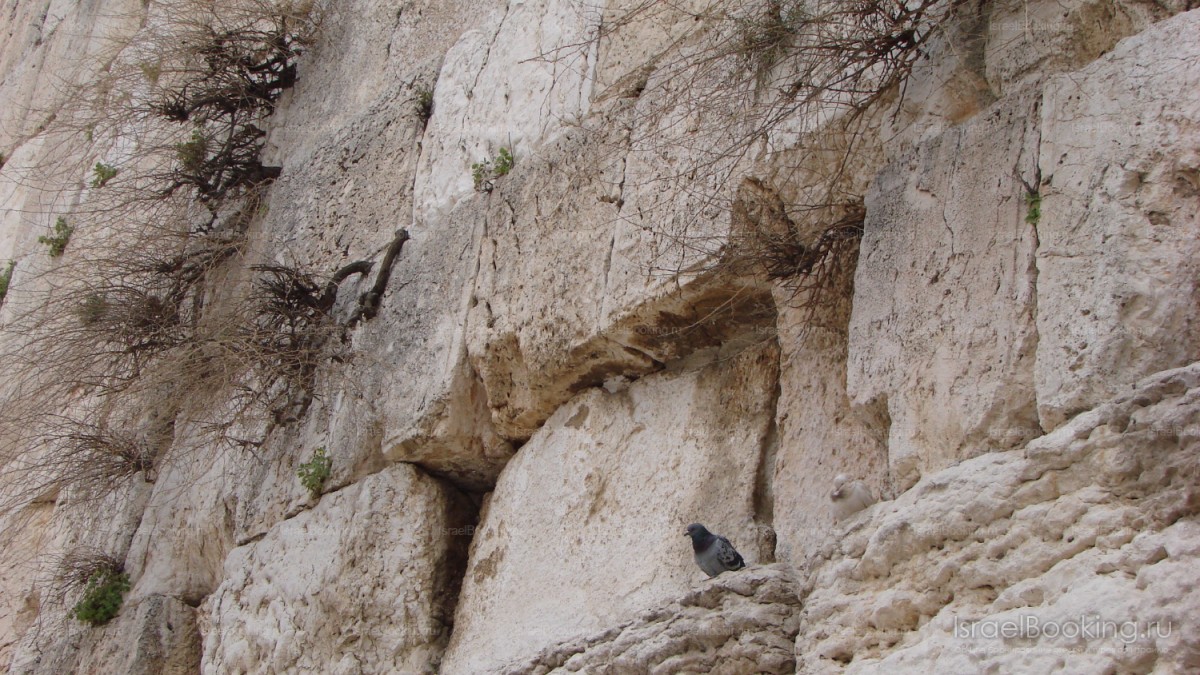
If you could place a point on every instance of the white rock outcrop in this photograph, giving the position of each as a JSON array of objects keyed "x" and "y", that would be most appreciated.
[{"x": 1088, "y": 529}]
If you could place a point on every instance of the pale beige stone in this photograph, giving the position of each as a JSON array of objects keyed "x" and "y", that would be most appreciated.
[
  {"x": 362, "y": 582},
  {"x": 944, "y": 305},
  {"x": 1050, "y": 534},
  {"x": 586, "y": 526},
  {"x": 1118, "y": 270}
]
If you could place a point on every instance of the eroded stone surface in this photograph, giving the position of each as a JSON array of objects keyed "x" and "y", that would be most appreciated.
[
  {"x": 1119, "y": 259},
  {"x": 525, "y": 313},
  {"x": 944, "y": 295},
  {"x": 1097, "y": 519},
  {"x": 363, "y": 582},
  {"x": 166, "y": 640},
  {"x": 737, "y": 623},
  {"x": 586, "y": 525}
]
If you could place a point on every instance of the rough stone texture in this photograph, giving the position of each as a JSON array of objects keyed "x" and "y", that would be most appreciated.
[
  {"x": 347, "y": 186},
  {"x": 167, "y": 640},
  {"x": 533, "y": 343},
  {"x": 579, "y": 222},
  {"x": 363, "y": 582},
  {"x": 187, "y": 528},
  {"x": 525, "y": 313},
  {"x": 21, "y": 600},
  {"x": 552, "y": 560},
  {"x": 1029, "y": 40},
  {"x": 52, "y": 642},
  {"x": 1119, "y": 260},
  {"x": 820, "y": 433},
  {"x": 740, "y": 622},
  {"x": 500, "y": 86},
  {"x": 944, "y": 299},
  {"x": 1098, "y": 518}
]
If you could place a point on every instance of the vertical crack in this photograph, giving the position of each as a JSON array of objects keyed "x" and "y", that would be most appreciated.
[{"x": 764, "y": 481}]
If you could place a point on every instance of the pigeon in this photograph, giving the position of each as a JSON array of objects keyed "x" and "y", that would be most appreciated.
[
  {"x": 849, "y": 496},
  {"x": 714, "y": 553}
]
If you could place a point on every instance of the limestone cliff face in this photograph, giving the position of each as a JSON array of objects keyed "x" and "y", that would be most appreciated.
[{"x": 575, "y": 359}]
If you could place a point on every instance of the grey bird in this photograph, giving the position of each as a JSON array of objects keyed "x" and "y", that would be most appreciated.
[
  {"x": 849, "y": 496},
  {"x": 714, "y": 554}
]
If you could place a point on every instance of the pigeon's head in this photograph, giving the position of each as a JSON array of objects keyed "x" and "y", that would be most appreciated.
[
  {"x": 839, "y": 484},
  {"x": 696, "y": 531}
]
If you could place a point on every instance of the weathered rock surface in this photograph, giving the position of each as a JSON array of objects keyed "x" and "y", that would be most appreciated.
[
  {"x": 551, "y": 562},
  {"x": 982, "y": 370},
  {"x": 1095, "y": 521},
  {"x": 820, "y": 433},
  {"x": 739, "y": 622},
  {"x": 363, "y": 582},
  {"x": 1119, "y": 259},
  {"x": 956, "y": 381},
  {"x": 167, "y": 640},
  {"x": 348, "y": 185}
]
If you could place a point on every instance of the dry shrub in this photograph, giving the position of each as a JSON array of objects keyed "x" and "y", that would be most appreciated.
[
  {"x": 746, "y": 84},
  {"x": 73, "y": 571}
]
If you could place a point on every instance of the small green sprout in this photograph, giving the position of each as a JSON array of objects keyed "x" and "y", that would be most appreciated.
[
  {"x": 102, "y": 173},
  {"x": 315, "y": 472},
  {"x": 62, "y": 235}
]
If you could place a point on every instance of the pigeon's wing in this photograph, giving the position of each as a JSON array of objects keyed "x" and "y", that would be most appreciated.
[{"x": 728, "y": 556}]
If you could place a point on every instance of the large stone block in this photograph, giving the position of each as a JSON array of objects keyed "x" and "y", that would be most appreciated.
[
  {"x": 942, "y": 328},
  {"x": 1118, "y": 292},
  {"x": 1077, "y": 553},
  {"x": 363, "y": 582},
  {"x": 585, "y": 528}
]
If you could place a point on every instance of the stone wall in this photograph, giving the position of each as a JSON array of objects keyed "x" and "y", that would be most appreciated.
[{"x": 569, "y": 365}]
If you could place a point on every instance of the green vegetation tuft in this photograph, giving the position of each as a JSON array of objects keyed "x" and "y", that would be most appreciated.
[
  {"x": 425, "y": 103},
  {"x": 62, "y": 235},
  {"x": 1033, "y": 208},
  {"x": 483, "y": 173},
  {"x": 102, "y": 173},
  {"x": 504, "y": 163},
  {"x": 315, "y": 472},
  {"x": 103, "y": 597},
  {"x": 5, "y": 278},
  {"x": 151, "y": 71},
  {"x": 192, "y": 153},
  {"x": 93, "y": 308}
]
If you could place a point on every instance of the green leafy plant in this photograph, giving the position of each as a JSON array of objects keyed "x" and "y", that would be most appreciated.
[
  {"x": 103, "y": 597},
  {"x": 483, "y": 173},
  {"x": 504, "y": 163},
  {"x": 1033, "y": 207},
  {"x": 62, "y": 235},
  {"x": 5, "y": 278},
  {"x": 315, "y": 472},
  {"x": 480, "y": 171},
  {"x": 102, "y": 173},
  {"x": 425, "y": 103},
  {"x": 192, "y": 153}
]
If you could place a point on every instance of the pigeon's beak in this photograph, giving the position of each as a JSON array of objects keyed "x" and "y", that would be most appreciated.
[{"x": 836, "y": 493}]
